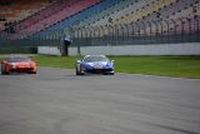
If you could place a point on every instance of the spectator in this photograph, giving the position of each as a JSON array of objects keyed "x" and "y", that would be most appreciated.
[{"x": 66, "y": 42}]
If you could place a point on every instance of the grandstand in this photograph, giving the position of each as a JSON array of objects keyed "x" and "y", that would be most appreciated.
[
  {"x": 97, "y": 22},
  {"x": 13, "y": 11}
]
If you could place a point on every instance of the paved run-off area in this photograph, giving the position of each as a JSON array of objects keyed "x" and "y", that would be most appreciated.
[{"x": 55, "y": 101}]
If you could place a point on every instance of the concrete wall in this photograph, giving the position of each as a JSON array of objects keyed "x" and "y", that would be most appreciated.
[
  {"x": 147, "y": 49},
  {"x": 49, "y": 50}
]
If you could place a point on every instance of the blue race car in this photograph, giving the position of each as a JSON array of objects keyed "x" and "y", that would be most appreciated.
[{"x": 95, "y": 64}]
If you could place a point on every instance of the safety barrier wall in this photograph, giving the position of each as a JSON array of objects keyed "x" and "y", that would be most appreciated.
[
  {"x": 49, "y": 50},
  {"x": 138, "y": 49}
]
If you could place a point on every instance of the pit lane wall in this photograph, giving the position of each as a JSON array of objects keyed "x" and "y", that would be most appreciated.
[{"x": 147, "y": 49}]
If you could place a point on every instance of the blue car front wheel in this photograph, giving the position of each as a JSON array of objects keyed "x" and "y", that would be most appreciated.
[{"x": 79, "y": 71}]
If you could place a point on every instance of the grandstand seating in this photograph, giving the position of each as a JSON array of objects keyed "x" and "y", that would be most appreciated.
[
  {"x": 20, "y": 9},
  {"x": 108, "y": 17},
  {"x": 142, "y": 12},
  {"x": 170, "y": 15},
  {"x": 189, "y": 11},
  {"x": 70, "y": 8},
  {"x": 79, "y": 18},
  {"x": 121, "y": 11},
  {"x": 104, "y": 14}
]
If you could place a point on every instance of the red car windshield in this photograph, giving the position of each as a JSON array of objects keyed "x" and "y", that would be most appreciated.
[{"x": 18, "y": 59}]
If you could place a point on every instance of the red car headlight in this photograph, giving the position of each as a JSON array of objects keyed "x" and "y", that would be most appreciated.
[{"x": 12, "y": 65}]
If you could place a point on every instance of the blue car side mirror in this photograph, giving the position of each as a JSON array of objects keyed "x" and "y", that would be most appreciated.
[{"x": 79, "y": 61}]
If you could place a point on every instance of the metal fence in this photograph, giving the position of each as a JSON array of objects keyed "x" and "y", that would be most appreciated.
[
  {"x": 179, "y": 30},
  {"x": 158, "y": 31}
]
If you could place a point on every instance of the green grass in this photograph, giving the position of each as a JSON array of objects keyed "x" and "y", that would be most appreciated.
[
  {"x": 174, "y": 66},
  {"x": 56, "y": 61}
]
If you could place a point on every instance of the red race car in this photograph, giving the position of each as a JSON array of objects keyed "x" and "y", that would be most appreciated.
[{"x": 18, "y": 64}]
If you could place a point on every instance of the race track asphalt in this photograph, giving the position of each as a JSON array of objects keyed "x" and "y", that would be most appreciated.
[{"x": 55, "y": 101}]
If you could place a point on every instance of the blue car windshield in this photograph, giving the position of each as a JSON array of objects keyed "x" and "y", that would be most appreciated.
[{"x": 95, "y": 59}]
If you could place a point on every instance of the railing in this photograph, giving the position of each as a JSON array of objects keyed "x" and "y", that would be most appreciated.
[{"x": 163, "y": 31}]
